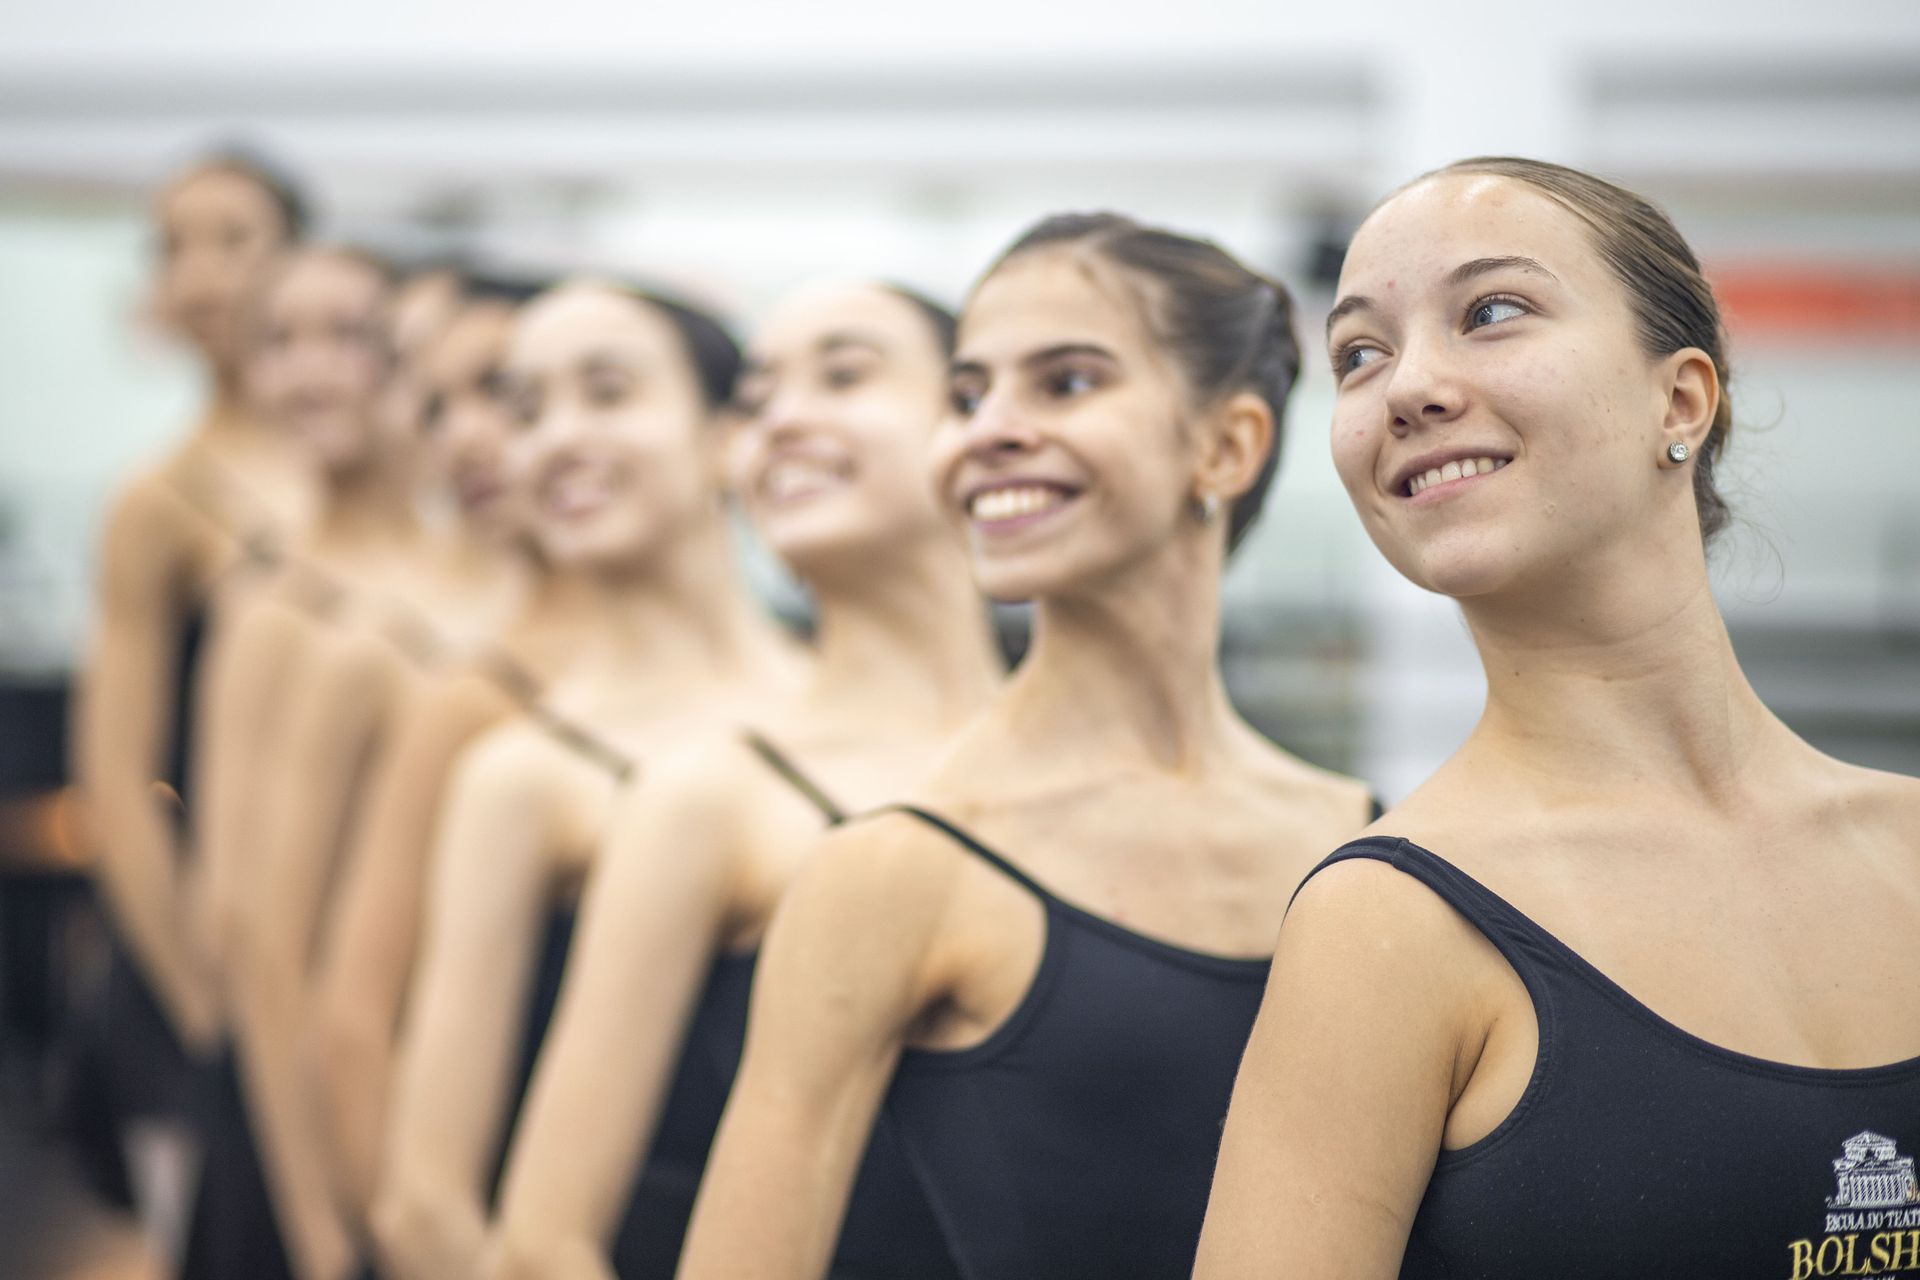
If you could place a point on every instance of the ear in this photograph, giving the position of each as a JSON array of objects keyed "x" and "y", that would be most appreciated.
[
  {"x": 1692, "y": 390},
  {"x": 1234, "y": 447}
]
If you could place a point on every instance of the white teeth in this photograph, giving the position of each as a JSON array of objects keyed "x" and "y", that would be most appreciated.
[
  {"x": 1465, "y": 468},
  {"x": 1012, "y": 503},
  {"x": 576, "y": 493},
  {"x": 794, "y": 476}
]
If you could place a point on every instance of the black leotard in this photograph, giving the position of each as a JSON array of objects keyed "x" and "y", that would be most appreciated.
[
  {"x": 1078, "y": 1139},
  {"x": 889, "y": 1233},
  {"x": 544, "y": 996},
  {"x": 1640, "y": 1150}
]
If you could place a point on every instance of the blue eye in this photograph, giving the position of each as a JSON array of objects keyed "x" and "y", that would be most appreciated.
[
  {"x": 1070, "y": 382},
  {"x": 1350, "y": 359},
  {"x": 1493, "y": 311}
]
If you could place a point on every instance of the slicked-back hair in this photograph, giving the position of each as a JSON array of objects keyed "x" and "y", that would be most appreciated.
[{"x": 1673, "y": 305}]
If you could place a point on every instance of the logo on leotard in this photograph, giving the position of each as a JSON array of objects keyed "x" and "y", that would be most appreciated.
[
  {"x": 1872, "y": 1174},
  {"x": 1873, "y": 1216}
]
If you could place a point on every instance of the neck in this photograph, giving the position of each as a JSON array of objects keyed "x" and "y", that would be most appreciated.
[
  {"x": 227, "y": 415},
  {"x": 906, "y": 642},
  {"x": 1132, "y": 664},
  {"x": 365, "y": 507},
  {"x": 1628, "y": 681},
  {"x": 684, "y": 611}
]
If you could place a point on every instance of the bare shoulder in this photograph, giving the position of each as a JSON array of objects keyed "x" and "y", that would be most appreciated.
[
  {"x": 462, "y": 696},
  {"x": 885, "y": 866},
  {"x": 514, "y": 762},
  {"x": 1882, "y": 807},
  {"x": 1362, "y": 920},
  {"x": 706, "y": 786},
  {"x": 148, "y": 537}
]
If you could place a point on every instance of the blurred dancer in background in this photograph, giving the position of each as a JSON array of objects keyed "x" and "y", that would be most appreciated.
[
  {"x": 442, "y": 589},
  {"x": 1045, "y": 975},
  {"x": 836, "y": 409},
  {"x": 232, "y": 488},
  {"x": 369, "y": 938},
  {"x": 319, "y": 368},
  {"x": 619, "y": 398}
]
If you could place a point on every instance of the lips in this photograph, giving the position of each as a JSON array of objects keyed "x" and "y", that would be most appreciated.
[
  {"x": 1011, "y": 503},
  {"x": 1433, "y": 470},
  {"x": 576, "y": 494},
  {"x": 796, "y": 477},
  {"x": 478, "y": 490}
]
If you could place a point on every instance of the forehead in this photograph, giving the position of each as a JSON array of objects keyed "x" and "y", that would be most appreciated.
[
  {"x": 802, "y": 319},
  {"x": 422, "y": 305},
  {"x": 1047, "y": 297},
  {"x": 1421, "y": 234},
  {"x": 324, "y": 282},
  {"x": 580, "y": 320},
  {"x": 476, "y": 338},
  {"x": 207, "y": 194}
]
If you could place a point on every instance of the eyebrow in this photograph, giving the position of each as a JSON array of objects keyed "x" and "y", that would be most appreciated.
[
  {"x": 845, "y": 339},
  {"x": 1043, "y": 356},
  {"x": 1482, "y": 266},
  {"x": 1347, "y": 306},
  {"x": 596, "y": 361},
  {"x": 1466, "y": 271}
]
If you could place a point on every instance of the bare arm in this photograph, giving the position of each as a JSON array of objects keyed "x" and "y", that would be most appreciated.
[
  {"x": 490, "y": 888},
  {"x": 331, "y": 725},
  {"x": 367, "y": 951},
  {"x": 255, "y": 654},
  {"x": 651, "y": 924},
  {"x": 123, "y": 722},
  {"x": 853, "y": 958},
  {"x": 1343, "y": 1095}
]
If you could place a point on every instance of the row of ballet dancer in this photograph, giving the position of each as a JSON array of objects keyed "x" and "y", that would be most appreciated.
[{"x": 887, "y": 963}]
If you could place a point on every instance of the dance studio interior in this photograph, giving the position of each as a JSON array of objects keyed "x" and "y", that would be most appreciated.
[{"x": 730, "y": 154}]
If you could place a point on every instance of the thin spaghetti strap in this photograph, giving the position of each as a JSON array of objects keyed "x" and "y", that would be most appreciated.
[
  {"x": 1525, "y": 944},
  {"x": 967, "y": 842},
  {"x": 509, "y": 675},
  {"x": 778, "y": 761},
  {"x": 586, "y": 743}
]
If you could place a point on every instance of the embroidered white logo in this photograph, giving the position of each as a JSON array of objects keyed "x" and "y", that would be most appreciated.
[
  {"x": 1873, "y": 1175},
  {"x": 1873, "y": 1217}
]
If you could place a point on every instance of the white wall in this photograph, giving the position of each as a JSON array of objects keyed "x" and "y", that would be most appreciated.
[{"x": 738, "y": 148}]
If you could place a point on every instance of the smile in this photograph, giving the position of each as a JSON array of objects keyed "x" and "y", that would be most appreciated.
[
  {"x": 791, "y": 479},
  {"x": 1464, "y": 469},
  {"x": 1015, "y": 504},
  {"x": 577, "y": 495}
]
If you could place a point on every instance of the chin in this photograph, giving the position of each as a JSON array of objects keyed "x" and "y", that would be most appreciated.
[
  {"x": 1460, "y": 568},
  {"x": 1015, "y": 579},
  {"x": 603, "y": 546},
  {"x": 809, "y": 542}
]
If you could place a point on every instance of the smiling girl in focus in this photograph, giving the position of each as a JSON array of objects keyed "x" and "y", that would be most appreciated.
[{"x": 1593, "y": 1001}]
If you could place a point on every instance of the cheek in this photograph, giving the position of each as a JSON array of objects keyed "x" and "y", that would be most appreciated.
[
  {"x": 941, "y": 459},
  {"x": 1356, "y": 450}
]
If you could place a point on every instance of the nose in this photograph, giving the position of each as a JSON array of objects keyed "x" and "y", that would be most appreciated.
[
  {"x": 1423, "y": 390},
  {"x": 785, "y": 416},
  {"x": 469, "y": 428},
  {"x": 996, "y": 430}
]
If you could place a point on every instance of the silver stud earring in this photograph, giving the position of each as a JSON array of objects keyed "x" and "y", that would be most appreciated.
[
  {"x": 1209, "y": 507},
  {"x": 1678, "y": 451}
]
